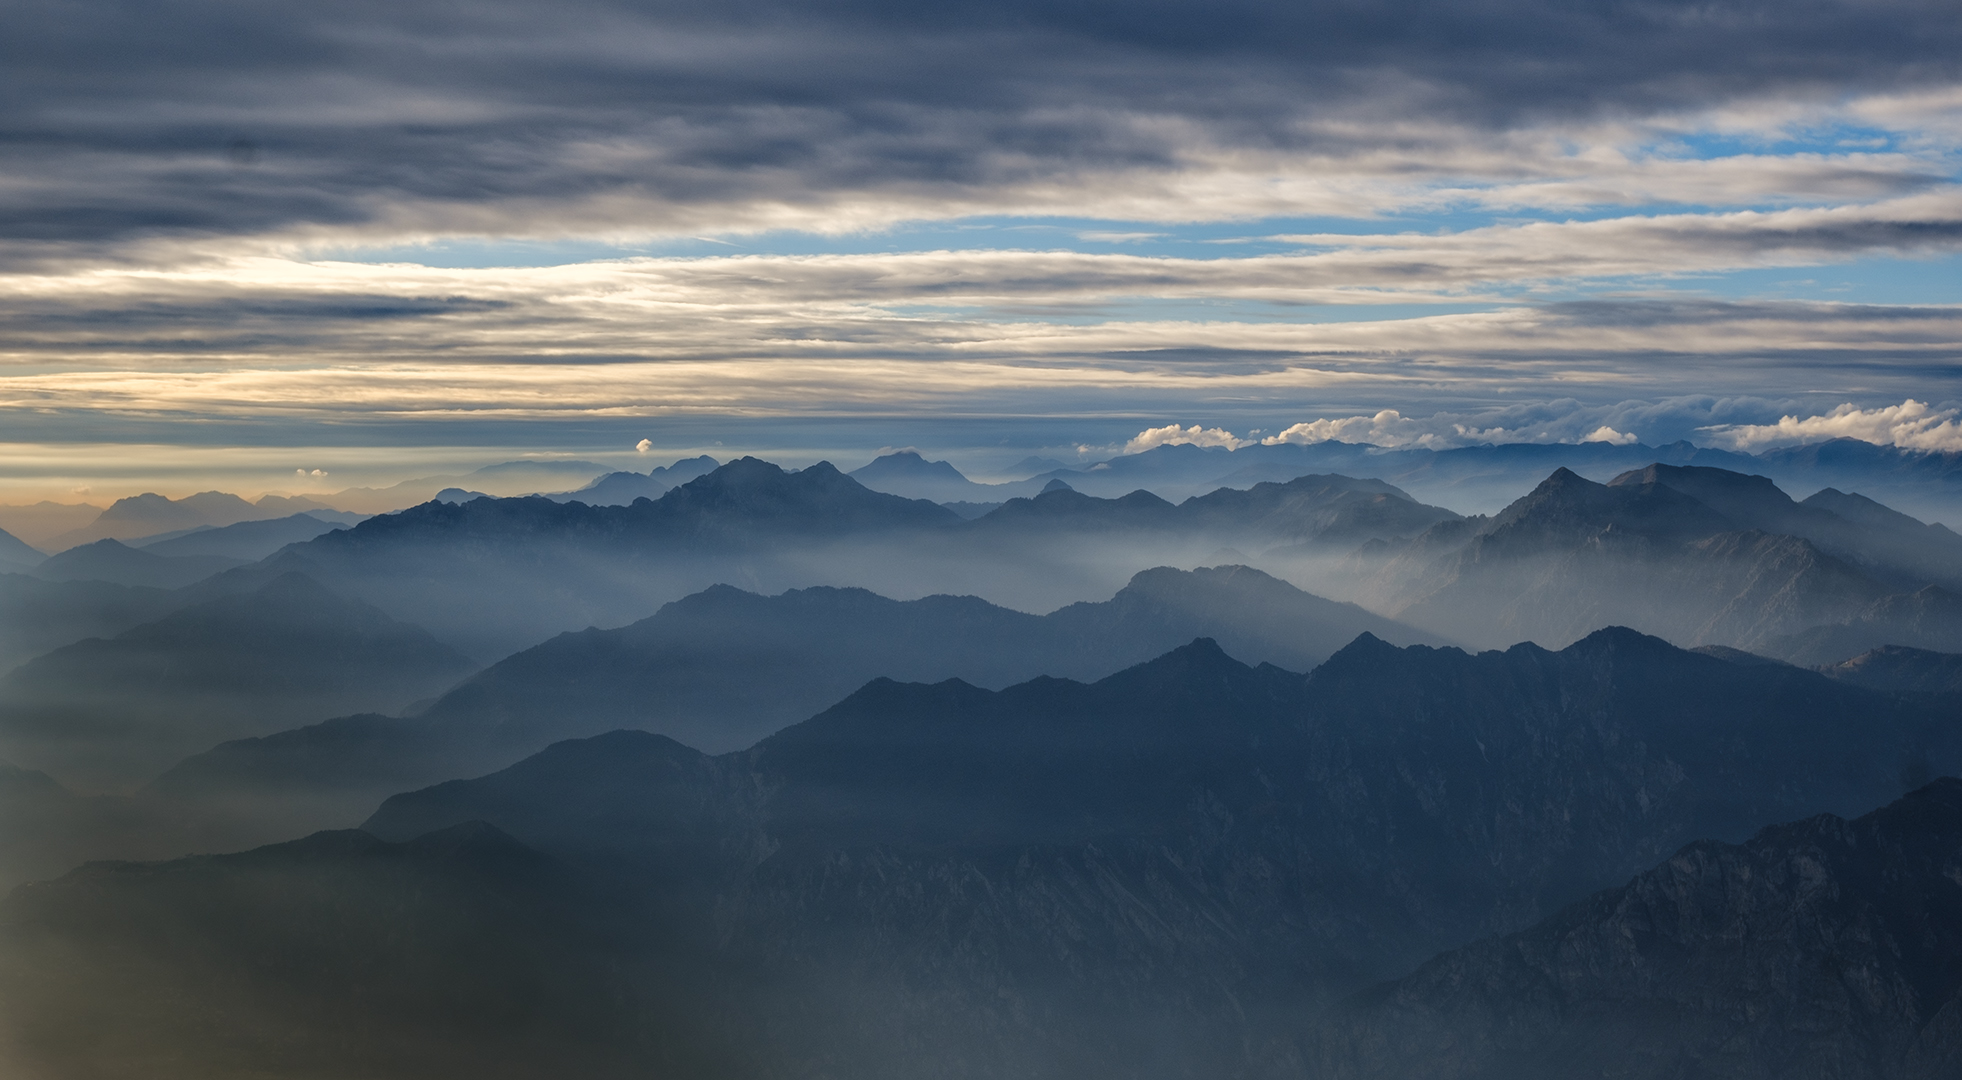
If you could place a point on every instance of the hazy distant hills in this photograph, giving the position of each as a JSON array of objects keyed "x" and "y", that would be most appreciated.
[
  {"x": 248, "y": 540},
  {"x": 15, "y": 556},
  {"x": 108, "y": 714},
  {"x": 621, "y": 488},
  {"x": 1823, "y": 948},
  {"x": 113, "y": 561},
  {"x": 1165, "y": 873},
  {"x": 723, "y": 668},
  {"x": 38, "y": 615},
  {"x": 492, "y": 576},
  {"x": 151, "y": 514},
  {"x": 1472, "y": 478},
  {"x": 1696, "y": 555}
]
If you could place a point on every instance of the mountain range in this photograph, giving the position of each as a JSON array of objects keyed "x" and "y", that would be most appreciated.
[
  {"x": 1697, "y": 555},
  {"x": 491, "y": 576},
  {"x": 723, "y": 668},
  {"x": 1472, "y": 478},
  {"x": 1821, "y": 948},
  {"x": 1182, "y": 869},
  {"x": 109, "y": 714}
]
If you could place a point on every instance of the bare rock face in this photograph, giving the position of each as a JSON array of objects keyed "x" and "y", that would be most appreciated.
[{"x": 1825, "y": 950}]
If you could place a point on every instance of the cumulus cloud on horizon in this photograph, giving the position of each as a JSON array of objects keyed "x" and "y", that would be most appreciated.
[{"x": 1911, "y": 425}]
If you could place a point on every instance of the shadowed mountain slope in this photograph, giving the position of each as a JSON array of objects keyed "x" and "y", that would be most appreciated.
[
  {"x": 1697, "y": 555},
  {"x": 723, "y": 668},
  {"x": 112, "y": 713},
  {"x": 1901, "y": 670},
  {"x": 1164, "y": 873},
  {"x": 1822, "y": 949},
  {"x": 1109, "y": 850}
]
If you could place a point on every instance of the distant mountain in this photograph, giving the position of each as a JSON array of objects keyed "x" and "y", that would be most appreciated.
[
  {"x": 503, "y": 480},
  {"x": 16, "y": 557},
  {"x": 1698, "y": 555},
  {"x": 245, "y": 541},
  {"x": 111, "y": 714},
  {"x": 723, "y": 668},
  {"x": 38, "y": 523},
  {"x": 492, "y": 576},
  {"x": 1822, "y": 948},
  {"x": 1901, "y": 670},
  {"x": 1486, "y": 478},
  {"x": 149, "y": 514},
  {"x": 621, "y": 488},
  {"x": 1325, "y": 511},
  {"x": 906, "y": 473},
  {"x": 1467, "y": 478},
  {"x": 1170, "y": 872},
  {"x": 112, "y": 561}
]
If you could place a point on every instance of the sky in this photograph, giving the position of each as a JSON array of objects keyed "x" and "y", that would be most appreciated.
[{"x": 290, "y": 247}]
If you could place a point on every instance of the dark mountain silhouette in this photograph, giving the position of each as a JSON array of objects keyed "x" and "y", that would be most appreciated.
[
  {"x": 115, "y": 562},
  {"x": 1693, "y": 554},
  {"x": 1824, "y": 948},
  {"x": 245, "y": 541},
  {"x": 109, "y": 714},
  {"x": 723, "y": 668},
  {"x": 1087, "y": 877},
  {"x": 1169, "y": 872},
  {"x": 1901, "y": 670}
]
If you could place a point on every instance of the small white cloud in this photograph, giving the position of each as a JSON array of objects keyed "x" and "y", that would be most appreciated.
[
  {"x": 1911, "y": 425},
  {"x": 1100, "y": 237},
  {"x": 318, "y": 472},
  {"x": 1174, "y": 435},
  {"x": 1606, "y": 434},
  {"x": 644, "y": 446},
  {"x": 79, "y": 491}
]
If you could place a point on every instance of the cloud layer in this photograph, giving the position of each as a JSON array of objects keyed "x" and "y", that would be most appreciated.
[
  {"x": 1911, "y": 425},
  {"x": 127, "y": 121},
  {"x": 1322, "y": 220}
]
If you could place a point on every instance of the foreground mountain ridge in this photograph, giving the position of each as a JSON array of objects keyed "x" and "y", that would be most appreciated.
[{"x": 1824, "y": 948}]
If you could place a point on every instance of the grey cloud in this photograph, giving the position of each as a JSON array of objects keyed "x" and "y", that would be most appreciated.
[{"x": 121, "y": 118}]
